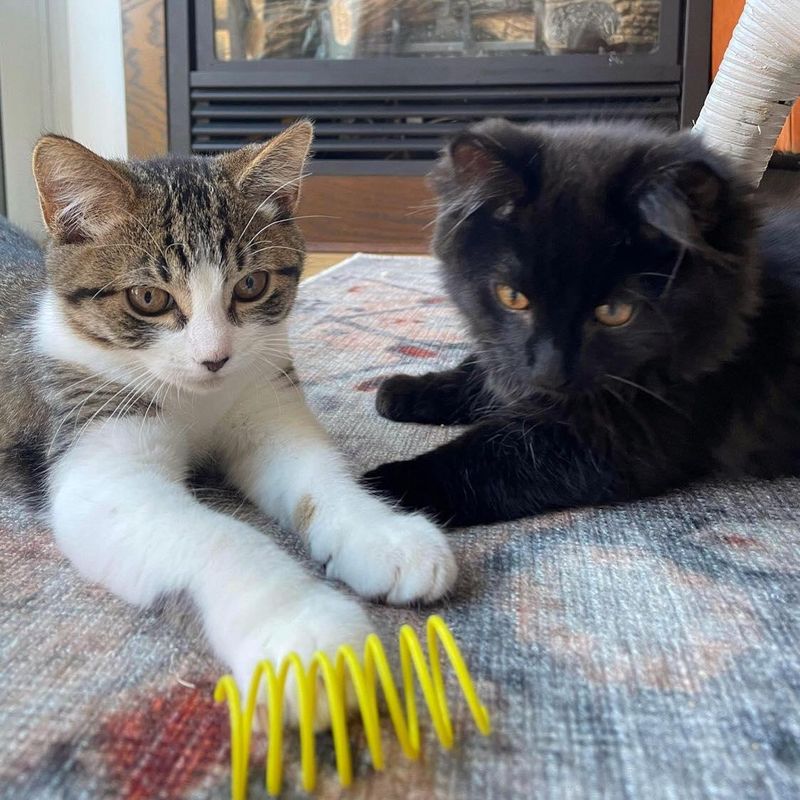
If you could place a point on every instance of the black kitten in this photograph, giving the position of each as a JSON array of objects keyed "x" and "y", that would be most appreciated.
[{"x": 634, "y": 328}]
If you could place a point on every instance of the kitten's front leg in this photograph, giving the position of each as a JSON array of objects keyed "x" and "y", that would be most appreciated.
[
  {"x": 452, "y": 397},
  {"x": 278, "y": 454},
  {"x": 499, "y": 470},
  {"x": 123, "y": 516}
]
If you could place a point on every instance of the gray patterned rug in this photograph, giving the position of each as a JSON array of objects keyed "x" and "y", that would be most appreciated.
[{"x": 645, "y": 651}]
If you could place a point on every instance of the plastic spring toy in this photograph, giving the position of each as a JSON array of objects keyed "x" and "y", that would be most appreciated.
[{"x": 364, "y": 676}]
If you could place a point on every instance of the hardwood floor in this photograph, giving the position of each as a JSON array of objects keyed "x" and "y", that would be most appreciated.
[{"x": 319, "y": 262}]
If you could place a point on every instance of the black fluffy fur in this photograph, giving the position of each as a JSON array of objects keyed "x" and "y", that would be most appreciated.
[{"x": 564, "y": 411}]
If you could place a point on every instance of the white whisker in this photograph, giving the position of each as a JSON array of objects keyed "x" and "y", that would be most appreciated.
[
  {"x": 266, "y": 200},
  {"x": 644, "y": 389},
  {"x": 287, "y": 220}
]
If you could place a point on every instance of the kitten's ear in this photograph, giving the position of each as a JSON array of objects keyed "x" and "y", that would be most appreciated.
[
  {"x": 82, "y": 196},
  {"x": 477, "y": 165},
  {"x": 684, "y": 201},
  {"x": 272, "y": 172},
  {"x": 473, "y": 158}
]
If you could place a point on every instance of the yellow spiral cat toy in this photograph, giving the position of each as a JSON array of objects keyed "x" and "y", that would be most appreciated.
[{"x": 364, "y": 676}]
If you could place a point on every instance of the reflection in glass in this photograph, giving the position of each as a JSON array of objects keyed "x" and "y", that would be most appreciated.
[{"x": 347, "y": 29}]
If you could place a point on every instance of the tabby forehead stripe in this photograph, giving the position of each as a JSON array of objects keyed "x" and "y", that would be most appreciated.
[
  {"x": 171, "y": 246},
  {"x": 242, "y": 257},
  {"x": 91, "y": 292},
  {"x": 163, "y": 270}
]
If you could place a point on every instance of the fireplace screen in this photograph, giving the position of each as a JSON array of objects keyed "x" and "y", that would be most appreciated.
[
  {"x": 249, "y": 30},
  {"x": 387, "y": 82}
]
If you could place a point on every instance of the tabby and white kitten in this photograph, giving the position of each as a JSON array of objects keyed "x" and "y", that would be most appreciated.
[{"x": 156, "y": 339}]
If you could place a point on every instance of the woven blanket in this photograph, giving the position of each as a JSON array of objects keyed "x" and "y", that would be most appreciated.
[{"x": 649, "y": 650}]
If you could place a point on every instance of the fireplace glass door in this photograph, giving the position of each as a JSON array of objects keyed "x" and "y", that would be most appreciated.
[
  {"x": 252, "y": 30},
  {"x": 387, "y": 82}
]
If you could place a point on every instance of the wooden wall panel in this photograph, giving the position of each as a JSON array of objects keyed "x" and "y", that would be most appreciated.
[
  {"x": 382, "y": 214},
  {"x": 145, "y": 76},
  {"x": 726, "y": 14}
]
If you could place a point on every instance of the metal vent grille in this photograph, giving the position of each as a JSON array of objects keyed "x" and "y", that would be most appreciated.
[{"x": 398, "y": 129}]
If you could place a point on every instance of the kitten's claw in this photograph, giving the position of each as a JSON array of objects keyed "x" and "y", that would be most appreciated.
[{"x": 325, "y": 621}]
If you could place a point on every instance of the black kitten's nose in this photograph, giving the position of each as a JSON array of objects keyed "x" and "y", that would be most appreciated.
[
  {"x": 548, "y": 369},
  {"x": 215, "y": 366}
]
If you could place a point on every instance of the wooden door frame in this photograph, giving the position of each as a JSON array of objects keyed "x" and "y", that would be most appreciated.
[{"x": 144, "y": 49}]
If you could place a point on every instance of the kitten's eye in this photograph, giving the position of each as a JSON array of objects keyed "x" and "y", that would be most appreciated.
[
  {"x": 505, "y": 210},
  {"x": 251, "y": 287},
  {"x": 614, "y": 315},
  {"x": 511, "y": 298},
  {"x": 149, "y": 301}
]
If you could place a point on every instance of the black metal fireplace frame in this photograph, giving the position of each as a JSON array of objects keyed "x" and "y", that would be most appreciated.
[{"x": 678, "y": 69}]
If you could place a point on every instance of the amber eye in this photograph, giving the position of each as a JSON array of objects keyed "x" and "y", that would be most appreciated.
[
  {"x": 614, "y": 314},
  {"x": 511, "y": 298},
  {"x": 251, "y": 287},
  {"x": 149, "y": 301}
]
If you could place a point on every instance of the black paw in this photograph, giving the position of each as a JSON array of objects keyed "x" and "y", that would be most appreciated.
[
  {"x": 410, "y": 398},
  {"x": 392, "y": 480},
  {"x": 398, "y": 481},
  {"x": 397, "y": 398},
  {"x": 404, "y": 483}
]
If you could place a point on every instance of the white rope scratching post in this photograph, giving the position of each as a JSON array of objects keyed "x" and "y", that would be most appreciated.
[{"x": 756, "y": 86}]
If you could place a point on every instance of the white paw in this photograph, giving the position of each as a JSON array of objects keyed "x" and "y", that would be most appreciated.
[
  {"x": 402, "y": 558},
  {"x": 325, "y": 620}
]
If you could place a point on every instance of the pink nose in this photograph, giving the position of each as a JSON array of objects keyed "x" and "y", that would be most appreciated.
[{"x": 215, "y": 366}]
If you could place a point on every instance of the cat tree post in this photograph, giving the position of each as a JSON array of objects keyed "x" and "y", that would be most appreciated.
[{"x": 756, "y": 86}]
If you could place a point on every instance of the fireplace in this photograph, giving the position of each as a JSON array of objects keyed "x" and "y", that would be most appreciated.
[{"x": 386, "y": 81}]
